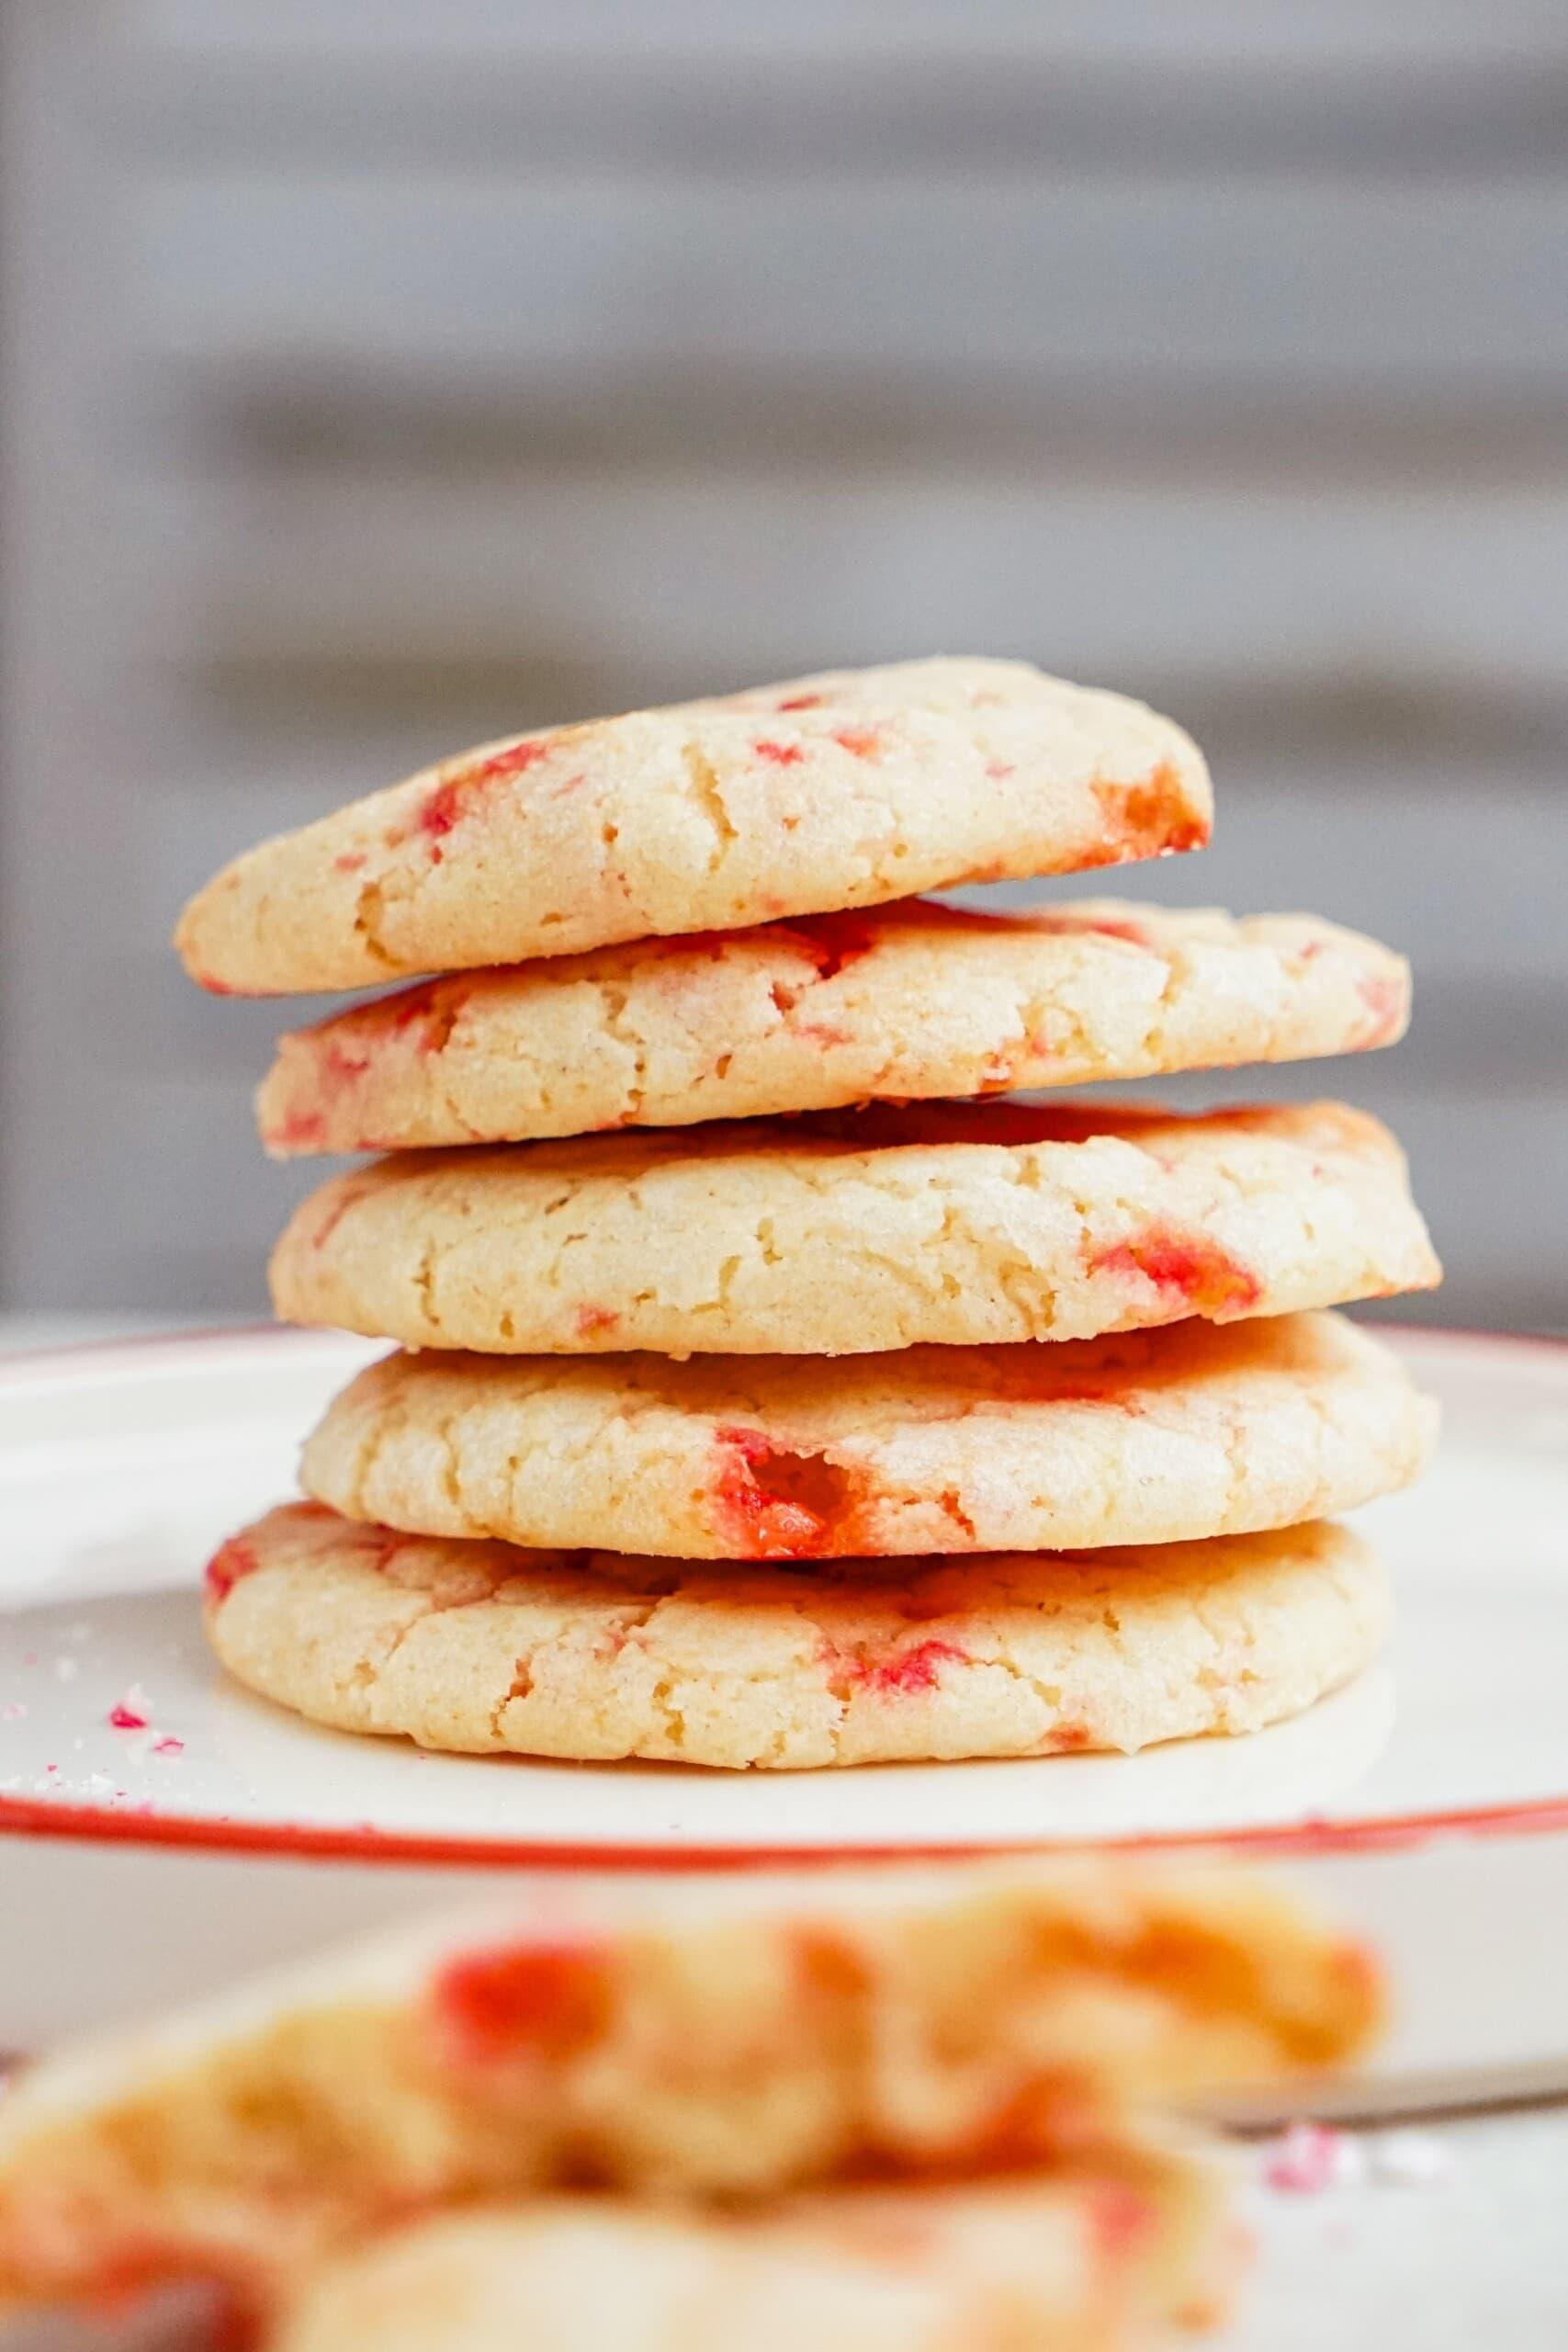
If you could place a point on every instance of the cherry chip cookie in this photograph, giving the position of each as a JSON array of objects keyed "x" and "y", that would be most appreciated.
[
  {"x": 844, "y": 790},
  {"x": 1151, "y": 1437},
  {"x": 485, "y": 1648}
]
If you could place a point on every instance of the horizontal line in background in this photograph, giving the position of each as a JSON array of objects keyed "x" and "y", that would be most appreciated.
[
  {"x": 1340, "y": 722},
  {"x": 1160, "y": 278},
  {"x": 1220, "y": 32},
  {"x": 767, "y": 576},
  {"x": 717, "y": 112},
  {"x": 212, "y": 1283},
  {"x": 471, "y": 419},
  {"x": 1344, "y": 721},
  {"x": 282, "y": 700}
]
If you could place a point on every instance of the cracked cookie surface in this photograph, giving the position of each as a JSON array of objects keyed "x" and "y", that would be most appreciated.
[
  {"x": 898, "y": 1003},
  {"x": 836, "y": 791},
  {"x": 1149, "y": 1437},
  {"x": 951, "y": 1223},
  {"x": 485, "y": 1648}
]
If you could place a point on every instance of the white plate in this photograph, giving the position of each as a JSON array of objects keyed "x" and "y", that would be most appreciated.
[{"x": 121, "y": 1467}]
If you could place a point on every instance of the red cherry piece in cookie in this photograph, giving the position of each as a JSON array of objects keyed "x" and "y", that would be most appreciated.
[
  {"x": 452, "y": 798},
  {"x": 917, "y": 1669},
  {"x": 232, "y": 1561},
  {"x": 1204, "y": 1278},
  {"x": 779, "y": 1504},
  {"x": 1146, "y": 819}
]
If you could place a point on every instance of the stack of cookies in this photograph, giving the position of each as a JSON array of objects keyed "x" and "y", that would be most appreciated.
[
  {"x": 901, "y": 2114},
  {"x": 828, "y": 1410}
]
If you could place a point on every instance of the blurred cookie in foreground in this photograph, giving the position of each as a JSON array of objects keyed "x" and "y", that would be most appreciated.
[
  {"x": 1099, "y": 2251},
  {"x": 714, "y": 2037}
]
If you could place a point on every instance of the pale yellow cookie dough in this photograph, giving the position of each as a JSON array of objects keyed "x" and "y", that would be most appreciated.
[
  {"x": 842, "y": 790},
  {"x": 952, "y": 1223},
  {"x": 484, "y": 1647},
  {"x": 898, "y": 1003},
  {"x": 1151, "y": 1437}
]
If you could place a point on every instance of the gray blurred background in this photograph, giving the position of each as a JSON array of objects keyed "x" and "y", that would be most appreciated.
[{"x": 381, "y": 375}]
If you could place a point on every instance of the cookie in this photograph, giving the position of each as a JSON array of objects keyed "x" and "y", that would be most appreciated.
[
  {"x": 485, "y": 1648},
  {"x": 717, "y": 2035},
  {"x": 836, "y": 791},
  {"x": 957, "y": 1223},
  {"x": 1149, "y": 1437},
  {"x": 901, "y": 1003},
  {"x": 1092, "y": 2254}
]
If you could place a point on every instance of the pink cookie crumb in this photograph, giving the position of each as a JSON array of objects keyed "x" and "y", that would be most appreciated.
[{"x": 1308, "y": 2158}]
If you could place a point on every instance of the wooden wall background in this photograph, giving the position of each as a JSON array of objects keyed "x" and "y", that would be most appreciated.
[{"x": 380, "y": 375}]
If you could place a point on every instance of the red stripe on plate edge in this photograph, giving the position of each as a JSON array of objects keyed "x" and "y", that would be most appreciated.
[{"x": 30, "y": 1817}]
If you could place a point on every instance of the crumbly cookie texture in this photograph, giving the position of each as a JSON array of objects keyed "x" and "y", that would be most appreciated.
[
  {"x": 716, "y": 2036},
  {"x": 898, "y": 1003},
  {"x": 952, "y": 1222},
  {"x": 1089, "y": 2255},
  {"x": 1152, "y": 1437},
  {"x": 485, "y": 1648},
  {"x": 836, "y": 791}
]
